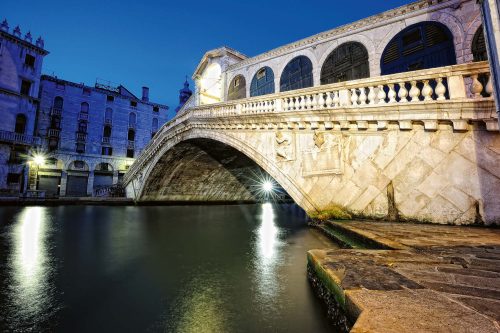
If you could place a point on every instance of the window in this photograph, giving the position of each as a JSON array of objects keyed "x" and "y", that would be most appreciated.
[
  {"x": 133, "y": 104},
  {"x": 58, "y": 102},
  {"x": 84, "y": 107},
  {"x": 156, "y": 109},
  {"x": 237, "y": 88},
  {"x": 479, "y": 46},
  {"x": 108, "y": 151},
  {"x": 20, "y": 124},
  {"x": 80, "y": 149},
  {"x": 86, "y": 91},
  {"x": 347, "y": 62},
  {"x": 420, "y": 46},
  {"x": 106, "y": 132},
  {"x": 262, "y": 82},
  {"x": 13, "y": 178},
  {"x": 79, "y": 164},
  {"x": 132, "y": 119},
  {"x": 130, "y": 153},
  {"x": 55, "y": 122},
  {"x": 108, "y": 116},
  {"x": 25, "y": 87},
  {"x": 29, "y": 61},
  {"x": 297, "y": 74},
  {"x": 82, "y": 127},
  {"x": 131, "y": 135},
  {"x": 110, "y": 98},
  {"x": 154, "y": 125}
]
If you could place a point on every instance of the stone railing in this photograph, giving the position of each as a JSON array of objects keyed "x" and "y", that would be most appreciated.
[
  {"x": 410, "y": 96},
  {"x": 25, "y": 139}
]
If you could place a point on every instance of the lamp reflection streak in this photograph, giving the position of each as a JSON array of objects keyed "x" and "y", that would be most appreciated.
[
  {"x": 28, "y": 264},
  {"x": 267, "y": 257}
]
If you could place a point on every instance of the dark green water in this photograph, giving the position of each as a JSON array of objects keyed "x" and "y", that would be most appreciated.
[{"x": 168, "y": 269}]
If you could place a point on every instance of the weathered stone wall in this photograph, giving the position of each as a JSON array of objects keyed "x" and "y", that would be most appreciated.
[{"x": 441, "y": 176}]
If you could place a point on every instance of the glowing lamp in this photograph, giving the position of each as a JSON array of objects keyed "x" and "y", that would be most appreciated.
[{"x": 267, "y": 186}]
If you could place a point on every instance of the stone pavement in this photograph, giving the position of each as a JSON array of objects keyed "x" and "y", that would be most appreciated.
[{"x": 426, "y": 278}]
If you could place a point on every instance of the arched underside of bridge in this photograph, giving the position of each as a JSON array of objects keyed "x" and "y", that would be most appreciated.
[{"x": 208, "y": 170}]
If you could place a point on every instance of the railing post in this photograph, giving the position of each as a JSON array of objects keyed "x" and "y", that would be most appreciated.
[
  {"x": 456, "y": 87},
  {"x": 345, "y": 97},
  {"x": 277, "y": 105}
]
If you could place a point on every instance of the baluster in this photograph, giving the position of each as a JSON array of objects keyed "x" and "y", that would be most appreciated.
[
  {"x": 307, "y": 104},
  {"x": 321, "y": 101},
  {"x": 392, "y": 93},
  {"x": 314, "y": 102},
  {"x": 489, "y": 86},
  {"x": 403, "y": 93},
  {"x": 336, "y": 99},
  {"x": 381, "y": 95},
  {"x": 302, "y": 102},
  {"x": 371, "y": 95},
  {"x": 440, "y": 89},
  {"x": 427, "y": 91},
  {"x": 414, "y": 92},
  {"x": 329, "y": 99},
  {"x": 354, "y": 97},
  {"x": 362, "y": 96},
  {"x": 477, "y": 87}
]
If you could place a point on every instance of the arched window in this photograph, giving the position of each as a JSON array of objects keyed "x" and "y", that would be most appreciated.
[
  {"x": 419, "y": 46},
  {"x": 107, "y": 131},
  {"x": 108, "y": 116},
  {"x": 84, "y": 107},
  {"x": 20, "y": 124},
  {"x": 82, "y": 127},
  {"x": 237, "y": 88},
  {"x": 262, "y": 82},
  {"x": 297, "y": 74},
  {"x": 132, "y": 120},
  {"x": 479, "y": 46},
  {"x": 131, "y": 135},
  {"x": 347, "y": 62},
  {"x": 58, "y": 102},
  {"x": 154, "y": 125}
]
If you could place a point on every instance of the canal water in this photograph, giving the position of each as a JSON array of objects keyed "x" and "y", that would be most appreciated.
[{"x": 168, "y": 269}]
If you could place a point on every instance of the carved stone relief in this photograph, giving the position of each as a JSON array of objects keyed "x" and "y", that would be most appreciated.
[
  {"x": 324, "y": 157},
  {"x": 284, "y": 146}
]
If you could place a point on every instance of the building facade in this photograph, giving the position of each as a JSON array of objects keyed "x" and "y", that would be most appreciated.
[
  {"x": 91, "y": 134},
  {"x": 21, "y": 61},
  {"x": 87, "y": 136}
]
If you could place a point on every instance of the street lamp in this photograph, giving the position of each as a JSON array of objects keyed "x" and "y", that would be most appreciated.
[
  {"x": 38, "y": 159},
  {"x": 267, "y": 186}
]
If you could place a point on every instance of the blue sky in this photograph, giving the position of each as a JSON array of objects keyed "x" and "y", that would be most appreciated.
[{"x": 158, "y": 43}]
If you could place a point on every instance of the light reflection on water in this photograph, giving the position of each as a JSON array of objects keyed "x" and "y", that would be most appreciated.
[
  {"x": 173, "y": 269},
  {"x": 29, "y": 265}
]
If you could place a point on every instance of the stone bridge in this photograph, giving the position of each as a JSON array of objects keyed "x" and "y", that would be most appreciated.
[{"x": 418, "y": 146}]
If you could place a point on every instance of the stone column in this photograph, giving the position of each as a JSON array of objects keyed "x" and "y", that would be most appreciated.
[
  {"x": 90, "y": 184},
  {"x": 115, "y": 177},
  {"x": 490, "y": 12},
  {"x": 64, "y": 182}
]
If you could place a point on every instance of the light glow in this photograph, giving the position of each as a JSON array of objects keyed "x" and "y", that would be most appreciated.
[
  {"x": 267, "y": 186},
  {"x": 39, "y": 159}
]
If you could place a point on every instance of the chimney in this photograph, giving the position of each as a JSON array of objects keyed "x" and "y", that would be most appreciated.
[{"x": 145, "y": 94}]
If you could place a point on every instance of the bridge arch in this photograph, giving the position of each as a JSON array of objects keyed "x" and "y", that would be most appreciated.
[{"x": 268, "y": 165}]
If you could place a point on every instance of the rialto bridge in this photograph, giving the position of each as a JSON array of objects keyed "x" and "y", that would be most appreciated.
[{"x": 420, "y": 144}]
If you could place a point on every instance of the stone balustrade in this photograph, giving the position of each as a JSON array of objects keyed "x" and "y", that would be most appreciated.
[
  {"x": 12, "y": 137},
  {"x": 458, "y": 95}
]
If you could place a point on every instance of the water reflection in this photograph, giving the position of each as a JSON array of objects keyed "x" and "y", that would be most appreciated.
[
  {"x": 267, "y": 257},
  {"x": 30, "y": 292}
]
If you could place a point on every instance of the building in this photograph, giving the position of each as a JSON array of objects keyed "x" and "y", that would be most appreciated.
[
  {"x": 20, "y": 69},
  {"x": 184, "y": 95},
  {"x": 91, "y": 134},
  {"x": 87, "y": 136}
]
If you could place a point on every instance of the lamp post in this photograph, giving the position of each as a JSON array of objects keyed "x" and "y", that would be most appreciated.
[
  {"x": 37, "y": 161},
  {"x": 490, "y": 12}
]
